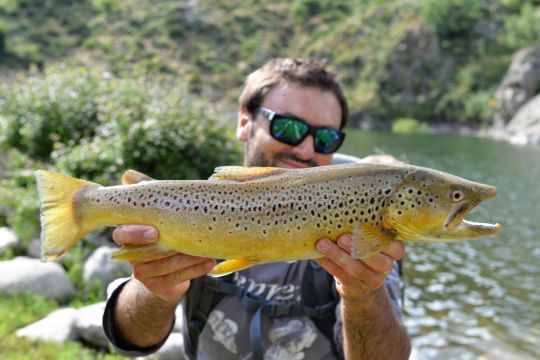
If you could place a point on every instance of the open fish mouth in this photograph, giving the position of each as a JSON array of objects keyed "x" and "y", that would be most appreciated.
[
  {"x": 457, "y": 216},
  {"x": 457, "y": 225},
  {"x": 473, "y": 229}
]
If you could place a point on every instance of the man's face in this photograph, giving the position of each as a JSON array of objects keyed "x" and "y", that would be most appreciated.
[{"x": 316, "y": 107}]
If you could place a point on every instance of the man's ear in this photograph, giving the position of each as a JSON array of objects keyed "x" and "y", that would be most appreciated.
[{"x": 243, "y": 125}]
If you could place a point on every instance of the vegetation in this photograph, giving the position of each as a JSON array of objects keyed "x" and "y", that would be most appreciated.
[
  {"x": 93, "y": 124},
  {"x": 213, "y": 44},
  {"x": 17, "y": 311},
  {"x": 93, "y": 87},
  {"x": 408, "y": 126}
]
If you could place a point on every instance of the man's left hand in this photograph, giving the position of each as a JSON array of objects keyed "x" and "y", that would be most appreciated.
[{"x": 357, "y": 279}]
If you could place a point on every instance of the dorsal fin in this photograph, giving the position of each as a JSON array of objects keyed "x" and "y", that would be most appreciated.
[
  {"x": 133, "y": 177},
  {"x": 242, "y": 173}
]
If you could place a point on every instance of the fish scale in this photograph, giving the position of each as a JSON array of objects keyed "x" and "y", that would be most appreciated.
[{"x": 260, "y": 215}]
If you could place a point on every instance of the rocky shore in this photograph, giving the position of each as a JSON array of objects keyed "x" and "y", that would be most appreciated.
[
  {"x": 518, "y": 101},
  {"x": 27, "y": 273}
]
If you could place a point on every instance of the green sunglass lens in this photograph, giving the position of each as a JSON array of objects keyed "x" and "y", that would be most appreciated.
[
  {"x": 289, "y": 131},
  {"x": 327, "y": 140}
]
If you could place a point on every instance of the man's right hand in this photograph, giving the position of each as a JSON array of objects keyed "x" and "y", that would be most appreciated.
[{"x": 166, "y": 275}]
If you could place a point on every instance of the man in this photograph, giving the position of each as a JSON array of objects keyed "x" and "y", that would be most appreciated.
[{"x": 140, "y": 313}]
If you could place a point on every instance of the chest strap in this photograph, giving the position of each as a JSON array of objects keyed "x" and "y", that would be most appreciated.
[{"x": 272, "y": 308}]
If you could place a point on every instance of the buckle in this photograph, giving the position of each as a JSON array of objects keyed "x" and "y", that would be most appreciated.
[{"x": 278, "y": 310}]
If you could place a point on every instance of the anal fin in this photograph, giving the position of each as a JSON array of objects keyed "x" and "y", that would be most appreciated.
[
  {"x": 368, "y": 240},
  {"x": 137, "y": 252},
  {"x": 229, "y": 266}
]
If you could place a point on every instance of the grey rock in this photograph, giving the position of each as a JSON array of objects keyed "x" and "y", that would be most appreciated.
[
  {"x": 98, "y": 267},
  {"x": 8, "y": 239},
  {"x": 524, "y": 128},
  {"x": 519, "y": 85},
  {"x": 172, "y": 349},
  {"x": 178, "y": 325},
  {"x": 34, "y": 249},
  {"x": 55, "y": 327},
  {"x": 89, "y": 324},
  {"x": 46, "y": 279}
]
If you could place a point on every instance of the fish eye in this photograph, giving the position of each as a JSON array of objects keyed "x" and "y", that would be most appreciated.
[{"x": 457, "y": 195}]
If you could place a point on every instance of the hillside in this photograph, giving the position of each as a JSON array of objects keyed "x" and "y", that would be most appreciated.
[{"x": 432, "y": 60}]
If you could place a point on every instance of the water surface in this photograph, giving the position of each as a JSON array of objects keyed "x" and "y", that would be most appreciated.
[{"x": 477, "y": 299}]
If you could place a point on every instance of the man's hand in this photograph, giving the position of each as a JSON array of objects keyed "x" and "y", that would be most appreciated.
[
  {"x": 357, "y": 279},
  {"x": 165, "y": 275}
]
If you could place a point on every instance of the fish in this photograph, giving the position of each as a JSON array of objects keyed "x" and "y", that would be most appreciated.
[{"x": 255, "y": 215}]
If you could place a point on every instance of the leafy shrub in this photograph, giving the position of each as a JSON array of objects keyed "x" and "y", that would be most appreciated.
[
  {"x": 523, "y": 29},
  {"x": 452, "y": 20},
  {"x": 95, "y": 126},
  {"x": 19, "y": 207},
  {"x": 43, "y": 109},
  {"x": 408, "y": 126},
  {"x": 469, "y": 100}
]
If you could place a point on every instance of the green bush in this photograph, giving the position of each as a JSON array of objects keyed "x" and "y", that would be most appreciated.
[
  {"x": 57, "y": 106},
  {"x": 408, "y": 126},
  {"x": 523, "y": 29},
  {"x": 95, "y": 126},
  {"x": 452, "y": 20},
  {"x": 19, "y": 207}
]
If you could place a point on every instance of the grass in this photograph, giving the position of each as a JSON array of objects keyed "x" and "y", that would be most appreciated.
[{"x": 19, "y": 310}]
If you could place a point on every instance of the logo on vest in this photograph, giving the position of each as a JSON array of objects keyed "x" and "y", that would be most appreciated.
[
  {"x": 224, "y": 330},
  {"x": 269, "y": 291},
  {"x": 290, "y": 340}
]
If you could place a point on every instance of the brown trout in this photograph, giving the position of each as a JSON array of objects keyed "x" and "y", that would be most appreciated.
[{"x": 258, "y": 215}]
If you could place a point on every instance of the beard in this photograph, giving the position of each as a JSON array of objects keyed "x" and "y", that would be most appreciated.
[
  {"x": 259, "y": 158},
  {"x": 256, "y": 157}
]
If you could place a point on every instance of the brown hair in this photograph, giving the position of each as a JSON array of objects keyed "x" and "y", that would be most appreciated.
[{"x": 308, "y": 72}]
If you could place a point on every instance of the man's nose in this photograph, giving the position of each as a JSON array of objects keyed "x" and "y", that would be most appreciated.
[{"x": 306, "y": 149}]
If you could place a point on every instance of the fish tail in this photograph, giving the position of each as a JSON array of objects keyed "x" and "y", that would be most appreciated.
[{"x": 60, "y": 227}]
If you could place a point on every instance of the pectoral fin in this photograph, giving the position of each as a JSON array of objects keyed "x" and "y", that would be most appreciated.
[
  {"x": 133, "y": 177},
  {"x": 229, "y": 266},
  {"x": 131, "y": 252},
  {"x": 368, "y": 240}
]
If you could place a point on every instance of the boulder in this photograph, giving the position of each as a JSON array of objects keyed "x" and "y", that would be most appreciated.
[
  {"x": 89, "y": 325},
  {"x": 46, "y": 279},
  {"x": 519, "y": 84},
  {"x": 98, "y": 267},
  {"x": 178, "y": 325},
  {"x": 33, "y": 249},
  {"x": 172, "y": 349},
  {"x": 524, "y": 128},
  {"x": 8, "y": 240},
  {"x": 55, "y": 327}
]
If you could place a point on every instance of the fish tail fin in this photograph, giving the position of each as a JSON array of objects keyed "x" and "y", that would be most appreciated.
[{"x": 60, "y": 228}]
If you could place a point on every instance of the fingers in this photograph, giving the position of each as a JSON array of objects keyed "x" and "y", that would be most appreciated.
[
  {"x": 166, "y": 265},
  {"x": 338, "y": 260},
  {"x": 186, "y": 274},
  {"x": 357, "y": 278},
  {"x": 135, "y": 235},
  {"x": 168, "y": 277}
]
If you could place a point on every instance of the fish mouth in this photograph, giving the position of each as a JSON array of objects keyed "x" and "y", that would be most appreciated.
[
  {"x": 457, "y": 216},
  {"x": 457, "y": 226}
]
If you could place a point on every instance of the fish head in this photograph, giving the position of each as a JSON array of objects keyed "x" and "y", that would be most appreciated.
[{"x": 430, "y": 206}]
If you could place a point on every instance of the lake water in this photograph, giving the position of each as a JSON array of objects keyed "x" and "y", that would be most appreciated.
[{"x": 477, "y": 299}]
